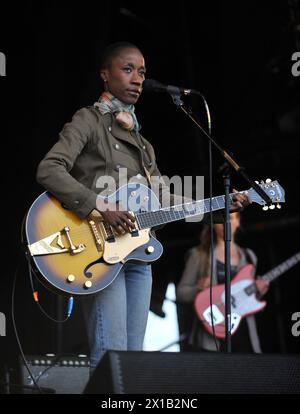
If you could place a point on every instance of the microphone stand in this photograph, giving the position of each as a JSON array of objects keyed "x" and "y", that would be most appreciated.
[{"x": 176, "y": 97}]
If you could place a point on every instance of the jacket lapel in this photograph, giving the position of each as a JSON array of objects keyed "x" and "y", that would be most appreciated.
[
  {"x": 114, "y": 128},
  {"x": 122, "y": 133}
]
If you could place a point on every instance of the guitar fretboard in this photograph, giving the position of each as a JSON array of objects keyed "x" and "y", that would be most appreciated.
[
  {"x": 283, "y": 267},
  {"x": 151, "y": 219},
  {"x": 276, "y": 272}
]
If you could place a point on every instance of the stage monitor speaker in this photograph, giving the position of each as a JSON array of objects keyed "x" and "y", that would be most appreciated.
[
  {"x": 60, "y": 375},
  {"x": 193, "y": 373}
]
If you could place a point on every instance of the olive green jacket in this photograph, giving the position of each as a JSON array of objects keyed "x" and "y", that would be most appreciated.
[{"x": 91, "y": 146}]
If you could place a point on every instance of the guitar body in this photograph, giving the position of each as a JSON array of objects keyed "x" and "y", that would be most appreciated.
[
  {"x": 242, "y": 303},
  {"x": 67, "y": 271}
]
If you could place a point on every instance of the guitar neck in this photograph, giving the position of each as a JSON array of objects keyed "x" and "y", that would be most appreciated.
[
  {"x": 151, "y": 219},
  {"x": 282, "y": 268},
  {"x": 276, "y": 272}
]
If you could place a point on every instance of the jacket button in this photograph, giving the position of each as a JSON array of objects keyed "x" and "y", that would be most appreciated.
[
  {"x": 144, "y": 147},
  {"x": 76, "y": 202},
  {"x": 117, "y": 146},
  {"x": 109, "y": 128}
]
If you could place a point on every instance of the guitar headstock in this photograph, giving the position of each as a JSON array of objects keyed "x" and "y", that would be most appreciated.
[{"x": 272, "y": 189}]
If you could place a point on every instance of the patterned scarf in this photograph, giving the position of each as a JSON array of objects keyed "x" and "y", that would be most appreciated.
[{"x": 124, "y": 113}]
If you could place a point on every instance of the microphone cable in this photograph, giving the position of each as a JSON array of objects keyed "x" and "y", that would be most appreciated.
[
  {"x": 35, "y": 296},
  {"x": 17, "y": 334},
  {"x": 31, "y": 271}
]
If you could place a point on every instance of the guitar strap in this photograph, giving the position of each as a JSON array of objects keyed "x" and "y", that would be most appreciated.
[
  {"x": 147, "y": 175},
  {"x": 250, "y": 257}
]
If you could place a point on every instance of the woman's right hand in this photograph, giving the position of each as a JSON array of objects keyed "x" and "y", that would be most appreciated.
[{"x": 121, "y": 221}]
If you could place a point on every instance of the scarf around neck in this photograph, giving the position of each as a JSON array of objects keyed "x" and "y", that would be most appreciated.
[{"x": 124, "y": 113}]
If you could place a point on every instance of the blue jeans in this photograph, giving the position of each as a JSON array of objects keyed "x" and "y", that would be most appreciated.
[{"x": 116, "y": 317}]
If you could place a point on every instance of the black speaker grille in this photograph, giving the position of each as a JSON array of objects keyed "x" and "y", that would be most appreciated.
[{"x": 182, "y": 373}]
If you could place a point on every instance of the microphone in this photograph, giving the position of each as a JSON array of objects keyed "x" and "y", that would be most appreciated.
[{"x": 150, "y": 85}]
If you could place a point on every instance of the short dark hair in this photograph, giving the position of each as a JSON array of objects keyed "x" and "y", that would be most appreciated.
[{"x": 112, "y": 50}]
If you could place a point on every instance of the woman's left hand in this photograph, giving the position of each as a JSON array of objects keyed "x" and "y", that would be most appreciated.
[
  {"x": 240, "y": 201},
  {"x": 262, "y": 286}
]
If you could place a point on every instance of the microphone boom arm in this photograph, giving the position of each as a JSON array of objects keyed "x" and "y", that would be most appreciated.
[{"x": 175, "y": 94}]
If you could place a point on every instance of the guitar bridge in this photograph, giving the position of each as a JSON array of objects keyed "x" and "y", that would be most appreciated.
[
  {"x": 44, "y": 246},
  {"x": 96, "y": 234}
]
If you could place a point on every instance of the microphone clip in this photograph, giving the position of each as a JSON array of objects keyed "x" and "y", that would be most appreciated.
[{"x": 175, "y": 94}]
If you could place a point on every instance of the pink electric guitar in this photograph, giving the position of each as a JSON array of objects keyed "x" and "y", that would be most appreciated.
[{"x": 243, "y": 298}]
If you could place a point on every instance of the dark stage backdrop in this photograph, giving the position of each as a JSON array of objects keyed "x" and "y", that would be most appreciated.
[{"x": 238, "y": 54}]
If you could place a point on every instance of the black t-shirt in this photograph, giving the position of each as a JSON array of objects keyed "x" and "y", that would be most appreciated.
[{"x": 221, "y": 272}]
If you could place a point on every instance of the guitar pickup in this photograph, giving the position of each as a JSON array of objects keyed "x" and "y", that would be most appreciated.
[
  {"x": 134, "y": 233},
  {"x": 111, "y": 238}
]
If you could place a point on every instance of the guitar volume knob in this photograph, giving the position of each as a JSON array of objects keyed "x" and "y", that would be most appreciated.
[
  {"x": 88, "y": 284},
  {"x": 150, "y": 249},
  {"x": 71, "y": 278}
]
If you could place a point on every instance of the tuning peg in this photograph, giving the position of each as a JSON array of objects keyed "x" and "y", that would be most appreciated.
[
  {"x": 265, "y": 208},
  {"x": 271, "y": 207},
  {"x": 262, "y": 182},
  {"x": 257, "y": 182},
  {"x": 278, "y": 205},
  {"x": 268, "y": 180}
]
